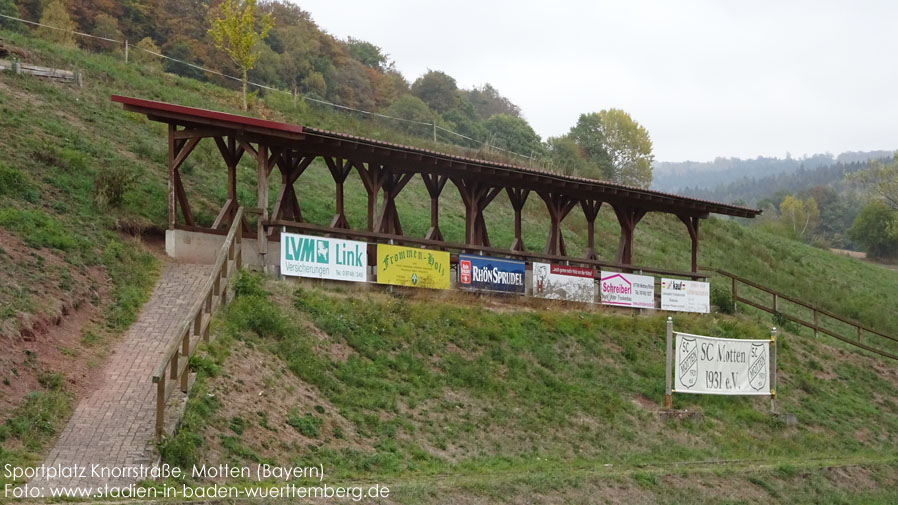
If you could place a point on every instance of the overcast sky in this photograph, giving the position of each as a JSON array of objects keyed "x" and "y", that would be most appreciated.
[{"x": 706, "y": 78}]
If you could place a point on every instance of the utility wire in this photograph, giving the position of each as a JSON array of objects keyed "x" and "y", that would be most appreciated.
[{"x": 269, "y": 88}]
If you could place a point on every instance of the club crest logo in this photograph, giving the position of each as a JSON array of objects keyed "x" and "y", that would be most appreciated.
[
  {"x": 757, "y": 371},
  {"x": 688, "y": 362}
]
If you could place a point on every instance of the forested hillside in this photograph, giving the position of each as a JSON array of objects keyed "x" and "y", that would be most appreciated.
[
  {"x": 296, "y": 56},
  {"x": 696, "y": 176}
]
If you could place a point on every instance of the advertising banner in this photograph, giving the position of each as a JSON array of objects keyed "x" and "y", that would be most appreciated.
[
  {"x": 627, "y": 290},
  {"x": 410, "y": 266},
  {"x": 561, "y": 282},
  {"x": 490, "y": 274},
  {"x": 685, "y": 296},
  {"x": 721, "y": 366},
  {"x": 323, "y": 258}
]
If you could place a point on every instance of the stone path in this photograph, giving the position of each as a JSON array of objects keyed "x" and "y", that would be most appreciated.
[{"x": 113, "y": 427}]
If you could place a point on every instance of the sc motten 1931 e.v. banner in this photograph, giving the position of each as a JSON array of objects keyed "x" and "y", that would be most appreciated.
[
  {"x": 410, "y": 266},
  {"x": 721, "y": 366},
  {"x": 491, "y": 274},
  {"x": 323, "y": 258}
]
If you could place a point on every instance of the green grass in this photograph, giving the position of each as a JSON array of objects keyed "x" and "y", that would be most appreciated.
[{"x": 435, "y": 386}]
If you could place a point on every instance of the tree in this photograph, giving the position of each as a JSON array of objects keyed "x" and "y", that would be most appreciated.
[
  {"x": 617, "y": 144},
  {"x": 144, "y": 54},
  {"x": 8, "y": 7},
  {"x": 437, "y": 89},
  {"x": 568, "y": 158},
  {"x": 414, "y": 109},
  {"x": 875, "y": 229},
  {"x": 237, "y": 31},
  {"x": 488, "y": 102},
  {"x": 106, "y": 26},
  {"x": 183, "y": 52},
  {"x": 799, "y": 216},
  {"x": 514, "y": 134},
  {"x": 367, "y": 53},
  {"x": 56, "y": 16},
  {"x": 883, "y": 178}
]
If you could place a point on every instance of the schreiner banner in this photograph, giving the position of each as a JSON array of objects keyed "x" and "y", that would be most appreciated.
[
  {"x": 627, "y": 290},
  {"x": 685, "y": 296},
  {"x": 410, "y": 266},
  {"x": 491, "y": 274},
  {"x": 721, "y": 366},
  {"x": 323, "y": 258},
  {"x": 561, "y": 282}
]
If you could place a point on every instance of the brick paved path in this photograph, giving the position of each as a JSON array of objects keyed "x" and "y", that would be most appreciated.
[{"x": 114, "y": 426}]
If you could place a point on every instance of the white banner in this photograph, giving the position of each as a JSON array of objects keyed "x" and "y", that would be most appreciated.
[
  {"x": 561, "y": 282},
  {"x": 685, "y": 296},
  {"x": 323, "y": 258},
  {"x": 627, "y": 290},
  {"x": 721, "y": 366}
]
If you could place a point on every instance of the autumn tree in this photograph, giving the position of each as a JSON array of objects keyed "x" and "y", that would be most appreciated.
[
  {"x": 567, "y": 157},
  {"x": 514, "y": 134},
  {"x": 237, "y": 30},
  {"x": 437, "y": 89},
  {"x": 146, "y": 54},
  {"x": 106, "y": 26},
  {"x": 55, "y": 15},
  {"x": 799, "y": 216},
  {"x": 367, "y": 53},
  {"x": 619, "y": 146},
  {"x": 488, "y": 102}
]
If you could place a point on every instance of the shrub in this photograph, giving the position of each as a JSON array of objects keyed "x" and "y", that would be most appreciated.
[
  {"x": 722, "y": 298},
  {"x": 248, "y": 284},
  {"x": 111, "y": 184}
]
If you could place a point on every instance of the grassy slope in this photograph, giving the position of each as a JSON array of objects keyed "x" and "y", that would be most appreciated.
[
  {"x": 508, "y": 402},
  {"x": 57, "y": 139}
]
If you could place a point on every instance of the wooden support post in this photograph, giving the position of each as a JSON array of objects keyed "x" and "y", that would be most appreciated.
[
  {"x": 160, "y": 406},
  {"x": 231, "y": 151},
  {"x": 434, "y": 184},
  {"x": 185, "y": 353},
  {"x": 691, "y": 223},
  {"x": 172, "y": 217},
  {"x": 387, "y": 220},
  {"x": 476, "y": 195},
  {"x": 735, "y": 295},
  {"x": 628, "y": 218},
  {"x": 517, "y": 197},
  {"x": 126, "y": 51},
  {"x": 776, "y": 305},
  {"x": 591, "y": 211},
  {"x": 339, "y": 169},
  {"x": 286, "y": 206},
  {"x": 559, "y": 206},
  {"x": 668, "y": 368},
  {"x": 262, "y": 200},
  {"x": 816, "y": 324}
]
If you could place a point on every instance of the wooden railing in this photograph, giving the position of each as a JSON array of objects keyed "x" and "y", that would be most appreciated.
[
  {"x": 859, "y": 329},
  {"x": 172, "y": 369}
]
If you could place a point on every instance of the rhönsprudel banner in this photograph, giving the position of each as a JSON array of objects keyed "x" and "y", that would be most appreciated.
[
  {"x": 491, "y": 274},
  {"x": 411, "y": 266}
]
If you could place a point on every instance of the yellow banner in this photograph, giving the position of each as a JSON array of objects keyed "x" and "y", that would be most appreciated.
[{"x": 410, "y": 266}]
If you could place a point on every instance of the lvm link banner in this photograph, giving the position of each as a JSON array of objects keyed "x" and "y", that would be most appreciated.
[
  {"x": 323, "y": 258},
  {"x": 410, "y": 266},
  {"x": 722, "y": 366}
]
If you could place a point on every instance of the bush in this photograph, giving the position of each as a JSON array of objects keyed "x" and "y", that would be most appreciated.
[
  {"x": 111, "y": 184},
  {"x": 258, "y": 315},
  {"x": 248, "y": 284},
  {"x": 722, "y": 298},
  {"x": 12, "y": 181}
]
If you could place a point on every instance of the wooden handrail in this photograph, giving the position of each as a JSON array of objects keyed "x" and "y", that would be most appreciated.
[
  {"x": 173, "y": 364},
  {"x": 403, "y": 239},
  {"x": 815, "y": 310}
]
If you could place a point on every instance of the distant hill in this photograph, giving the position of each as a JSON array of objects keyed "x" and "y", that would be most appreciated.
[
  {"x": 751, "y": 190},
  {"x": 676, "y": 176}
]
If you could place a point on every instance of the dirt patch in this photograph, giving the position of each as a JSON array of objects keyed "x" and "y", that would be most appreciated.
[
  {"x": 47, "y": 334},
  {"x": 258, "y": 389}
]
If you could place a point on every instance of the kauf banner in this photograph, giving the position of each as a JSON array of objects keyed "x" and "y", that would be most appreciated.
[{"x": 721, "y": 366}]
